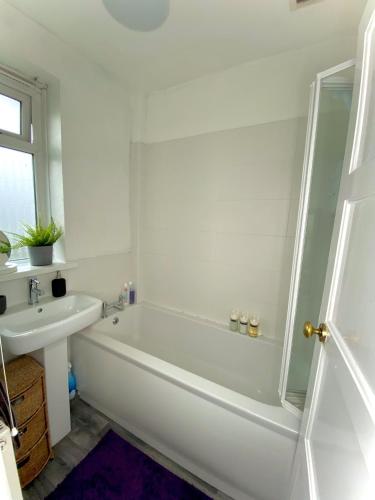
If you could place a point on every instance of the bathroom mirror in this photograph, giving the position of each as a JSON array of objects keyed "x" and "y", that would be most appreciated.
[{"x": 324, "y": 160}]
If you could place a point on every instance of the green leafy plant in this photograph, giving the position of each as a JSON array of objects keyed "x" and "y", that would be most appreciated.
[
  {"x": 5, "y": 247},
  {"x": 38, "y": 236}
]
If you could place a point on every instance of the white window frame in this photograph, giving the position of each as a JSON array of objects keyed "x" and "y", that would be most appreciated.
[
  {"x": 25, "y": 101},
  {"x": 33, "y": 138}
]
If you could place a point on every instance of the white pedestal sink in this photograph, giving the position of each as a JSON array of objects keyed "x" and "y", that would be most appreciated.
[{"x": 41, "y": 330}]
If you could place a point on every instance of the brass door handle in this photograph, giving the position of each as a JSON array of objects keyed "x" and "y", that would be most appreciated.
[{"x": 309, "y": 331}]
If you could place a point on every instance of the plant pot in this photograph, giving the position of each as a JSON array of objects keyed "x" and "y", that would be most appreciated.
[
  {"x": 3, "y": 259},
  {"x": 41, "y": 256}
]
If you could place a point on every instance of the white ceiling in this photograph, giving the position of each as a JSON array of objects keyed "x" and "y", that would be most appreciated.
[{"x": 199, "y": 37}]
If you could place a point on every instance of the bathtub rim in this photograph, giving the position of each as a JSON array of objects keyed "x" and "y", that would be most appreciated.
[
  {"x": 276, "y": 418},
  {"x": 196, "y": 318}
]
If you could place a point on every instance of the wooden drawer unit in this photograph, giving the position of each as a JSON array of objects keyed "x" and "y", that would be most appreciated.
[
  {"x": 31, "y": 432},
  {"x": 28, "y": 398},
  {"x": 28, "y": 403},
  {"x": 30, "y": 466}
]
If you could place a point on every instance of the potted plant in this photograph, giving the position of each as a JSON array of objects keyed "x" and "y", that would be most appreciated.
[
  {"x": 5, "y": 249},
  {"x": 39, "y": 240}
]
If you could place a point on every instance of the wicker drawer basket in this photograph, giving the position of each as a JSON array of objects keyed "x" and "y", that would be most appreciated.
[
  {"x": 28, "y": 403},
  {"x": 22, "y": 373},
  {"x": 28, "y": 398},
  {"x": 31, "y": 465},
  {"x": 31, "y": 432}
]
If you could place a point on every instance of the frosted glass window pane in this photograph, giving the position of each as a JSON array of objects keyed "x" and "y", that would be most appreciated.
[
  {"x": 10, "y": 114},
  {"x": 17, "y": 194}
]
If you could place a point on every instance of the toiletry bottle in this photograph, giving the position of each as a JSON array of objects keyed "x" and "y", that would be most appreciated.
[
  {"x": 131, "y": 293},
  {"x": 253, "y": 329},
  {"x": 125, "y": 294},
  {"x": 233, "y": 320},
  {"x": 72, "y": 382},
  {"x": 58, "y": 286},
  {"x": 244, "y": 321}
]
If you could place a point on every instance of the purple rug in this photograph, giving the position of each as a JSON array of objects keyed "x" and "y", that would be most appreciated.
[{"x": 115, "y": 469}]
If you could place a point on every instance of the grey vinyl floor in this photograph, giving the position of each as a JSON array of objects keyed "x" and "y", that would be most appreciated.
[{"x": 88, "y": 427}]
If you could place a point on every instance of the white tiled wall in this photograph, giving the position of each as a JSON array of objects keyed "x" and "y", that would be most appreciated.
[{"x": 217, "y": 221}]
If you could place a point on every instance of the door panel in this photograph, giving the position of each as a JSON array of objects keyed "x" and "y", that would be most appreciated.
[
  {"x": 338, "y": 434},
  {"x": 366, "y": 124},
  {"x": 338, "y": 428},
  {"x": 358, "y": 281}
]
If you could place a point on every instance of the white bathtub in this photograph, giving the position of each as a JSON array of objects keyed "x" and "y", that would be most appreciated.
[{"x": 204, "y": 396}]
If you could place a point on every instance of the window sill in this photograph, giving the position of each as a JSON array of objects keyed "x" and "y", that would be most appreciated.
[{"x": 25, "y": 270}]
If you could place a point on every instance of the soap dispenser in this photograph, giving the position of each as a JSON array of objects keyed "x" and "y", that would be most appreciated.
[{"x": 58, "y": 286}]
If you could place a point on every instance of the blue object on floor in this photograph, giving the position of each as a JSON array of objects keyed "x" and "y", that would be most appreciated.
[{"x": 72, "y": 382}]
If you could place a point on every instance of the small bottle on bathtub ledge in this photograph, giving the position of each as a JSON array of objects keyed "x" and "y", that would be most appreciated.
[
  {"x": 253, "y": 329},
  {"x": 125, "y": 294},
  {"x": 131, "y": 293},
  {"x": 244, "y": 321},
  {"x": 233, "y": 320}
]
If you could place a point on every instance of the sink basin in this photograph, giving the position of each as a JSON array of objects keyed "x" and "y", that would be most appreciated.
[{"x": 27, "y": 328}]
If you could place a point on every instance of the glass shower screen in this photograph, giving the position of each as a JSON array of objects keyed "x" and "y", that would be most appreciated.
[{"x": 327, "y": 152}]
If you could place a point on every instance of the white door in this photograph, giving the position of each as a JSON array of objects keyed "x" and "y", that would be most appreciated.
[{"x": 336, "y": 451}]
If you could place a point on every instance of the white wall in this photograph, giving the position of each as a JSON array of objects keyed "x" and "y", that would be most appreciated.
[
  {"x": 91, "y": 109},
  {"x": 262, "y": 91},
  {"x": 216, "y": 221},
  {"x": 219, "y": 171}
]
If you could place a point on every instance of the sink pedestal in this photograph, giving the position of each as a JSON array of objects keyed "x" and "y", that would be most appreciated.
[{"x": 54, "y": 358}]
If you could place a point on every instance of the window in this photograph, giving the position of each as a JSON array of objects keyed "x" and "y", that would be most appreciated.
[
  {"x": 10, "y": 114},
  {"x": 23, "y": 170}
]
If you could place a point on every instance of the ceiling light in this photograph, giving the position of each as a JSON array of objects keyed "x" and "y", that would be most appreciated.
[{"x": 139, "y": 15}]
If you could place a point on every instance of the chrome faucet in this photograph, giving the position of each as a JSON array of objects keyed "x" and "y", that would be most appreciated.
[
  {"x": 118, "y": 306},
  {"x": 34, "y": 291}
]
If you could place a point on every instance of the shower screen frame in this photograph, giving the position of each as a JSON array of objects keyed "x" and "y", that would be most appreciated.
[{"x": 300, "y": 238}]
